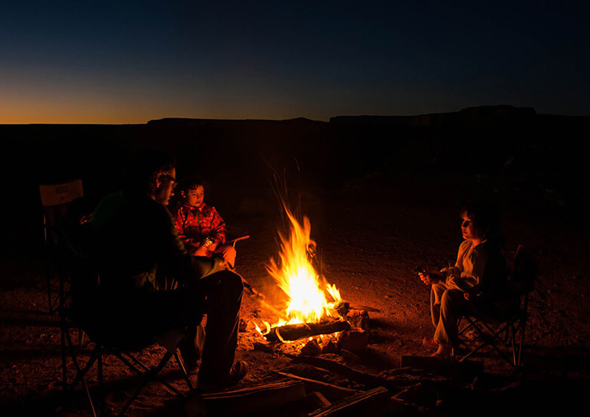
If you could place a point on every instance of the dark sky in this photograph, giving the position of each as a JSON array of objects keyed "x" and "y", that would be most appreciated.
[{"x": 131, "y": 61}]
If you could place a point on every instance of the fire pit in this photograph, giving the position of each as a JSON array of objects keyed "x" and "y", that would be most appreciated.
[{"x": 314, "y": 307}]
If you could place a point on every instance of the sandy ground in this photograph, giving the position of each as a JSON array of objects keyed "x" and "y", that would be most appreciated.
[{"x": 371, "y": 234}]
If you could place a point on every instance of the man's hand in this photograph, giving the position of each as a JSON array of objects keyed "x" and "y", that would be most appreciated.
[{"x": 228, "y": 253}]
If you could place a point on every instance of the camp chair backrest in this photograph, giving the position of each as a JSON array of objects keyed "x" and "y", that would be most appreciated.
[
  {"x": 57, "y": 194},
  {"x": 524, "y": 271},
  {"x": 56, "y": 199}
]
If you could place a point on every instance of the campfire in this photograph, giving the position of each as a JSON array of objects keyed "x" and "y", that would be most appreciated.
[{"x": 314, "y": 307}]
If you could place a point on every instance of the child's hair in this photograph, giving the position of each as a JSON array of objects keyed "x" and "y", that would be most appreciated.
[
  {"x": 192, "y": 182},
  {"x": 485, "y": 216}
]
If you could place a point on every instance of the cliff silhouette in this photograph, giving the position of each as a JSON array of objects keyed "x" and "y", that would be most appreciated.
[{"x": 535, "y": 154}]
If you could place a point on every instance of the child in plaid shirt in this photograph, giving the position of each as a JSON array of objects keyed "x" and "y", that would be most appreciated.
[{"x": 199, "y": 225}]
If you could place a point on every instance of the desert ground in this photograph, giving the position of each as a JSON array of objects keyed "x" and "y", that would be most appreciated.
[{"x": 371, "y": 231}]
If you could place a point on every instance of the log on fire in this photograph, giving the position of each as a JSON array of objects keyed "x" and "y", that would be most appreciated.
[{"x": 299, "y": 331}]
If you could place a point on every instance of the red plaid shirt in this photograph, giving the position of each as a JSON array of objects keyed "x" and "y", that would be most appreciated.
[{"x": 194, "y": 224}]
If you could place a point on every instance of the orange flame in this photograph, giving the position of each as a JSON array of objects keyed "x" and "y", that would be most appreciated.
[{"x": 311, "y": 299}]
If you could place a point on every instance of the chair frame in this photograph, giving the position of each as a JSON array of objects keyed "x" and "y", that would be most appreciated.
[
  {"x": 510, "y": 331},
  {"x": 98, "y": 353},
  {"x": 72, "y": 267},
  {"x": 56, "y": 200}
]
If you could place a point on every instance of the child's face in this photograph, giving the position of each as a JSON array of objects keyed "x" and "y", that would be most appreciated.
[
  {"x": 469, "y": 230},
  {"x": 195, "y": 196}
]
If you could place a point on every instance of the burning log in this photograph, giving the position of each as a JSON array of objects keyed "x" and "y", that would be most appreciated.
[{"x": 299, "y": 331}]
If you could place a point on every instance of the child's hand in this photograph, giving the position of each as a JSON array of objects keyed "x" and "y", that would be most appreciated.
[
  {"x": 201, "y": 251},
  {"x": 431, "y": 277}
]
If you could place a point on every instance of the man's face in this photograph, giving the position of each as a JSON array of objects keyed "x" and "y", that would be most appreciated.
[
  {"x": 195, "y": 196},
  {"x": 165, "y": 189}
]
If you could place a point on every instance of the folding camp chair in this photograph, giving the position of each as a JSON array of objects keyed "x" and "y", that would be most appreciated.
[
  {"x": 78, "y": 313},
  {"x": 505, "y": 333},
  {"x": 56, "y": 200},
  {"x": 126, "y": 351}
]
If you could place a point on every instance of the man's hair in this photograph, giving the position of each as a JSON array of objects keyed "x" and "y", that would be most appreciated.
[{"x": 143, "y": 168}]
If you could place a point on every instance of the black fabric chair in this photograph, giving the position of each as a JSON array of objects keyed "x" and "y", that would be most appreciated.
[
  {"x": 80, "y": 313},
  {"x": 503, "y": 333},
  {"x": 57, "y": 201}
]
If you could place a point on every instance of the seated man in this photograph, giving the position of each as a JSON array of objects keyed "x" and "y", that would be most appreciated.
[
  {"x": 477, "y": 282},
  {"x": 134, "y": 239}
]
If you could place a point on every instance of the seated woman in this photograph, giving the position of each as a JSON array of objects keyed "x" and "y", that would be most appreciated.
[
  {"x": 199, "y": 225},
  {"x": 478, "y": 282}
]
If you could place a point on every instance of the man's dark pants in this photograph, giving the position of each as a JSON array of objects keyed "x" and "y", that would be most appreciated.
[{"x": 218, "y": 295}]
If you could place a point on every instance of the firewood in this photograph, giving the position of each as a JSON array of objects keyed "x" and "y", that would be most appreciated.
[
  {"x": 251, "y": 400},
  {"x": 372, "y": 403},
  {"x": 299, "y": 331},
  {"x": 364, "y": 378},
  {"x": 332, "y": 392},
  {"x": 444, "y": 366},
  {"x": 311, "y": 348},
  {"x": 317, "y": 400},
  {"x": 354, "y": 341}
]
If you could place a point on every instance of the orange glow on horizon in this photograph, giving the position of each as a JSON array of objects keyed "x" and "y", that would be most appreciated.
[{"x": 61, "y": 109}]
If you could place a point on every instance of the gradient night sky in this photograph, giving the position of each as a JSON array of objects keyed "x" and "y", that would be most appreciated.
[{"x": 132, "y": 61}]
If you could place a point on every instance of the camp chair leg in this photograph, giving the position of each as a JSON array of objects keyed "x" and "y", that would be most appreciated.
[
  {"x": 80, "y": 372},
  {"x": 49, "y": 304},
  {"x": 519, "y": 345},
  {"x": 490, "y": 335},
  {"x": 97, "y": 406},
  {"x": 151, "y": 374},
  {"x": 183, "y": 369},
  {"x": 102, "y": 395},
  {"x": 64, "y": 368}
]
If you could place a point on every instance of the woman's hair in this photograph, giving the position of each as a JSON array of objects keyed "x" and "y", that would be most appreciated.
[{"x": 485, "y": 216}]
